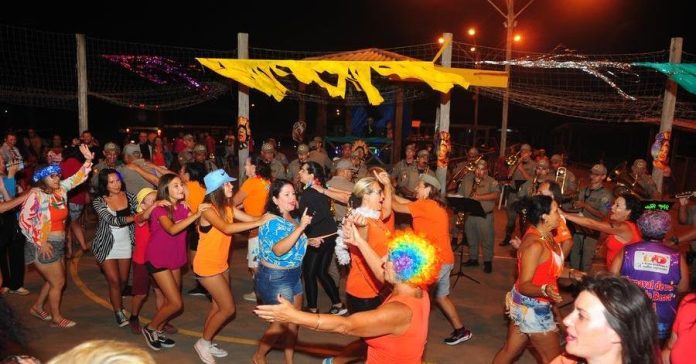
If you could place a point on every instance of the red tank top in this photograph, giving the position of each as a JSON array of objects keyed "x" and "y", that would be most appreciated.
[
  {"x": 408, "y": 347},
  {"x": 548, "y": 271},
  {"x": 614, "y": 246}
]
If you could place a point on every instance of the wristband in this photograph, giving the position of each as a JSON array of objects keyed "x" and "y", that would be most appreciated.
[{"x": 316, "y": 327}]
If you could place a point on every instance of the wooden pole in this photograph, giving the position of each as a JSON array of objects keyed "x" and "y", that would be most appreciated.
[
  {"x": 444, "y": 114},
  {"x": 398, "y": 126},
  {"x": 82, "y": 82},
  {"x": 302, "y": 105},
  {"x": 348, "y": 121},
  {"x": 510, "y": 24},
  {"x": 668, "y": 102},
  {"x": 243, "y": 100},
  {"x": 321, "y": 119}
]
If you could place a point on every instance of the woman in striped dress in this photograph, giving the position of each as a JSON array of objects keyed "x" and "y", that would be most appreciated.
[{"x": 113, "y": 243}]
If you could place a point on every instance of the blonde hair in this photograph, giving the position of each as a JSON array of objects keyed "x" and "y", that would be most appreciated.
[
  {"x": 104, "y": 352},
  {"x": 362, "y": 187}
]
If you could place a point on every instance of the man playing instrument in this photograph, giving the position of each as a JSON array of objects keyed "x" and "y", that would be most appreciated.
[
  {"x": 520, "y": 172},
  {"x": 481, "y": 187}
]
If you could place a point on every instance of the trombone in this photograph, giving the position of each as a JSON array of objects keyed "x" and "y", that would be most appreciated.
[
  {"x": 469, "y": 166},
  {"x": 561, "y": 175}
]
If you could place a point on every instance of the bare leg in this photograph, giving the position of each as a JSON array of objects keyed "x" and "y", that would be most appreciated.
[
  {"x": 113, "y": 278},
  {"x": 54, "y": 274},
  {"x": 222, "y": 307},
  {"x": 269, "y": 338},
  {"x": 547, "y": 345},
  {"x": 79, "y": 233},
  {"x": 450, "y": 311},
  {"x": 167, "y": 281},
  {"x": 291, "y": 336},
  {"x": 514, "y": 346}
]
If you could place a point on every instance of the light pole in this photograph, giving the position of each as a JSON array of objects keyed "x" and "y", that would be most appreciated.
[
  {"x": 510, "y": 23},
  {"x": 472, "y": 34}
]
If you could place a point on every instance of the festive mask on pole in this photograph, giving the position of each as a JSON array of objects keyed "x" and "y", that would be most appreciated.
[
  {"x": 243, "y": 132},
  {"x": 298, "y": 131},
  {"x": 660, "y": 150},
  {"x": 443, "y": 149}
]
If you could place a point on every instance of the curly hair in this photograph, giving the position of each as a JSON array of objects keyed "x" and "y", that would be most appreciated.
[{"x": 415, "y": 259}]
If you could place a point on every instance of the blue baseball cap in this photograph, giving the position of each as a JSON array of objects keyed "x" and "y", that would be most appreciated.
[{"x": 215, "y": 179}]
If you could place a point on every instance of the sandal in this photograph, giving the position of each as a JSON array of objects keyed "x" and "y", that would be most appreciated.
[
  {"x": 40, "y": 314},
  {"x": 64, "y": 323}
]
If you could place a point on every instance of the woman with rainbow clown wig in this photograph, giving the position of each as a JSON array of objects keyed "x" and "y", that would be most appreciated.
[{"x": 395, "y": 332}]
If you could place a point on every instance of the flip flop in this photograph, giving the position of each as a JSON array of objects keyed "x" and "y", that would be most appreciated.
[
  {"x": 40, "y": 314},
  {"x": 64, "y": 324}
]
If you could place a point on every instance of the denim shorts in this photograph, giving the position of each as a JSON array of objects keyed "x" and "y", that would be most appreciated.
[
  {"x": 271, "y": 282},
  {"x": 441, "y": 288},
  {"x": 531, "y": 316},
  {"x": 32, "y": 254}
]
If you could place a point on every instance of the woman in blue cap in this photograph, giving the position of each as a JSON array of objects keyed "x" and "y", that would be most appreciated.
[{"x": 210, "y": 264}]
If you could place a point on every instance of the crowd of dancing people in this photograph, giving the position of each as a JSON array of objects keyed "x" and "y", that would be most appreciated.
[{"x": 316, "y": 220}]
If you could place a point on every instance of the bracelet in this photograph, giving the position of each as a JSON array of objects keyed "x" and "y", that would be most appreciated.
[
  {"x": 543, "y": 290},
  {"x": 316, "y": 327}
]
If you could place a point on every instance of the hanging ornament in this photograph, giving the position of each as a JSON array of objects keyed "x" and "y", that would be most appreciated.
[
  {"x": 660, "y": 150},
  {"x": 243, "y": 132},
  {"x": 443, "y": 149}
]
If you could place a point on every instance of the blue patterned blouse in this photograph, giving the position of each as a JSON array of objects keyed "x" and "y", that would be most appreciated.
[{"x": 274, "y": 231}]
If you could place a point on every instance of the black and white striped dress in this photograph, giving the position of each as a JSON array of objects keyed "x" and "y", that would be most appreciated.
[{"x": 104, "y": 239}]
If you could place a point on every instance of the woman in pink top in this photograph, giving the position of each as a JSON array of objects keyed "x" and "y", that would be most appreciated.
[
  {"x": 166, "y": 254},
  {"x": 621, "y": 228},
  {"x": 395, "y": 331}
]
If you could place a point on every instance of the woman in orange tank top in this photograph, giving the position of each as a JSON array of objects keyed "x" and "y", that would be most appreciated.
[
  {"x": 210, "y": 263},
  {"x": 395, "y": 331},
  {"x": 621, "y": 228},
  {"x": 539, "y": 264}
]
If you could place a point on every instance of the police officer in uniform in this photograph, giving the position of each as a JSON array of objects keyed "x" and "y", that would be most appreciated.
[
  {"x": 570, "y": 187},
  {"x": 412, "y": 175},
  {"x": 296, "y": 164},
  {"x": 403, "y": 170},
  {"x": 485, "y": 189},
  {"x": 268, "y": 155},
  {"x": 594, "y": 202},
  {"x": 639, "y": 171}
]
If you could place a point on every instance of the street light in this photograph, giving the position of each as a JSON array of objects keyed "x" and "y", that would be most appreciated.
[{"x": 510, "y": 22}]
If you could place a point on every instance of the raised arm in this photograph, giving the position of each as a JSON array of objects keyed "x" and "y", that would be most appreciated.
[
  {"x": 374, "y": 261},
  {"x": 400, "y": 204}
]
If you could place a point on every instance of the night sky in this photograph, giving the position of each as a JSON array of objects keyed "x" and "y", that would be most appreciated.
[{"x": 588, "y": 26}]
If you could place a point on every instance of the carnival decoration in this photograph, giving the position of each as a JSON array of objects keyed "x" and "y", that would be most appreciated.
[
  {"x": 298, "y": 131},
  {"x": 443, "y": 150},
  {"x": 243, "y": 132},
  {"x": 660, "y": 150}
]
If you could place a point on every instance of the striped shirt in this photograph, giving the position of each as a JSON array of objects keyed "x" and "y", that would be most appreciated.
[{"x": 104, "y": 239}]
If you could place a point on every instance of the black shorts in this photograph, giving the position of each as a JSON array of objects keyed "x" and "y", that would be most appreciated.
[
  {"x": 356, "y": 304},
  {"x": 152, "y": 269},
  {"x": 192, "y": 237}
]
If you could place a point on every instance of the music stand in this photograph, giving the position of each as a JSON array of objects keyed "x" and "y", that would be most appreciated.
[{"x": 472, "y": 207}]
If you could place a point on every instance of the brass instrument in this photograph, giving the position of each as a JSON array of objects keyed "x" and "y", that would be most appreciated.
[
  {"x": 626, "y": 182},
  {"x": 474, "y": 187},
  {"x": 460, "y": 220},
  {"x": 561, "y": 175},
  {"x": 469, "y": 166},
  {"x": 513, "y": 159}
]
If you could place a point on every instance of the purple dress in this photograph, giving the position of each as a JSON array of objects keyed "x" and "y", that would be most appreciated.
[
  {"x": 655, "y": 268},
  {"x": 164, "y": 250}
]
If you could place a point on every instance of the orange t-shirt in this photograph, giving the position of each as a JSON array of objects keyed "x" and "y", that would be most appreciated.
[
  {"x": 213, "y": 250},
  {"x": 196, "y": 194},
  {"x": 257, "y": 190},
  {"x": 361, "y": 281},
  {"x": 408, "y": 347},
  {"x": 431, "y": 221}
]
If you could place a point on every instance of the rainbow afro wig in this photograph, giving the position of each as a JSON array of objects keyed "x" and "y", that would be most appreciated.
[{"x": 415, "y": 259}]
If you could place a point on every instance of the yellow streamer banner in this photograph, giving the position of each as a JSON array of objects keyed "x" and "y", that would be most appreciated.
[{"x": 262, "y": 75}]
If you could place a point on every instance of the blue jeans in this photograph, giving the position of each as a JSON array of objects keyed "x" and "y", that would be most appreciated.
[{"x": 271, "y": 282}]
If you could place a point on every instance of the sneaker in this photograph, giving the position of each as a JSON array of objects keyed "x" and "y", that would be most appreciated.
[
  {"x": 338, "y": 310},
  {"x": 197, "y": 291},
  {"x": 217, "y": 351},
  {"x": 311, "y": 310},
  {"x": 251, "y": 296},
  {"x": 151, "y": 338},
  {"x": 471, "y": 263},
  {"x": 487, "y": 267},
  {"x": 19, "y": 291},
  {"x": 121, "y": 319},
  {"x": 164, "y": 341},
  {"x": 134, "y": 324},
  {"x": 202, "y": 347},
  {"x": 458, "y": 336}
]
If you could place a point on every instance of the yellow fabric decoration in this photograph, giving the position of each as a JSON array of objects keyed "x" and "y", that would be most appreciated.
[{"x": 262, "y": 75}]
